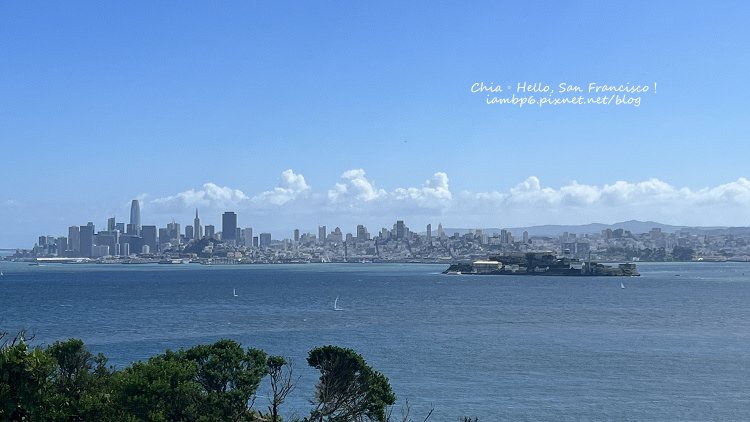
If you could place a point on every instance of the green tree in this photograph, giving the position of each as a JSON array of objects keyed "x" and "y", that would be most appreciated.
[
  {"x": 80, "y": 383},
  {"x": 681, "y": 253},
  {"x": 229, "y": 376},
  {"x": 24, "y": 380},
  {"x": 348, "y": 389},
  {"x": 160, "y": 389}
]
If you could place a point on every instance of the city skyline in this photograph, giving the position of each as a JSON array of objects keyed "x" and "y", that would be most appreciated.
[{"x": 302, "y": 115}]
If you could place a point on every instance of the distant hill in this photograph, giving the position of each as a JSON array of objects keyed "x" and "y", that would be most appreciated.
[{"x": 634, "y": 226}]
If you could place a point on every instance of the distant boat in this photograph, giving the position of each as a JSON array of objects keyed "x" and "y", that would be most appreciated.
[
  {"x": 234, "y": 292},
  {"x": 336, "y": 305},
  {"x": 1, "y": 274},
  {"x": 622, "y": 286}
]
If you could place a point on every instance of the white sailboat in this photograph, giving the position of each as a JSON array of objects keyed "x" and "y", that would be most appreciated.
[
  {"x": 234, "y": 292},
  {"x": 336, "y": 305},
  {"x": 622, "y": 286}
]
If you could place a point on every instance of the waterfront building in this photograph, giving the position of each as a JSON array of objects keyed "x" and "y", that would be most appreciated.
[{"x": 99, "y": 251}]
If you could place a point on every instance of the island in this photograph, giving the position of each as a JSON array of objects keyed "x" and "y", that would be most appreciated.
[{"x": 540, "y": 263}]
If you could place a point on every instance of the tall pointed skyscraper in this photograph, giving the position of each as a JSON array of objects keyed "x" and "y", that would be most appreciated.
[
  {"x": 197, "y": 227},
  {"x": 135, "y": 216}
]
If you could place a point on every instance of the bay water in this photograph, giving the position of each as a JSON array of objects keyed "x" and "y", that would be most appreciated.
[{"x": 674, "y": 344}]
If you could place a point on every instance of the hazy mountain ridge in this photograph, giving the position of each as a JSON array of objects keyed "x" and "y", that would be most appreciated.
[{"x": 633, "y": 226}]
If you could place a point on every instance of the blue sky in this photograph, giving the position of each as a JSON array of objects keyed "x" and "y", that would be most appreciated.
[{"x": 368, "y": 107}]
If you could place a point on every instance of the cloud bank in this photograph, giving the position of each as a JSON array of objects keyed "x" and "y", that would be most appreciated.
[{"x": 355, "y": 197}]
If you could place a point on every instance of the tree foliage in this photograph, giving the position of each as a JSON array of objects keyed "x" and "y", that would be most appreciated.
[
  {"x": 213, "y": 382},
  {"x": 348, "y": 389}
]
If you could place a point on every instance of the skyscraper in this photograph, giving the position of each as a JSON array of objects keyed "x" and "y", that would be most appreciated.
[
  {"x": 197, "y": 234},
  {"x": 229, "y": 226},
  {"x": 149, "y": 237},
  {"x": 362, "y": 233},
  {"x": 247, "y": 237},
  {"x": 86, "y": 236},
  {"x": 429, "y": 232},
  {"x": 265, "y": 240},
  {"x": 322, "y": 234},
  {"x": 135, "y": 216},
  {"x": 400, "y": 230},
  {"x": 74, "y": 240}
]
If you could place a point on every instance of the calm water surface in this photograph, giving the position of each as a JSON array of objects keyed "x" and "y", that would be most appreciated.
[{"x": 673, "y": 345}]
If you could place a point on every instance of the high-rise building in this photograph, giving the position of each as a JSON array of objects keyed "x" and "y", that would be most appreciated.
[
  {"x": 148, "y": 235},
  {"x": 296, "y": 235},
  {"x": 229, "y": 226},
  {"x": 120, "y": 227},
  {"x": 86, "y": 240},
  {"x": 265, "y": 240},
  {"x": 174, "y": 230},
  {"x": 400, "y": 230},
  {"x": 106, "y": 239},
  {"x": 362, "y": 233},
  {"x": 429, "y": 233},
  {"x": 135, "y": 216},
  {"x": 337, "y": 236},
  {"x": 163, "y": 236},
  {"x": 197, "y": 233},
  {"x": 111, "y": 224},
  {"x": 189, "y": 235},
  {"x": 62, "y": 245},
  {"x": 74, "y": 241},
  {"x": 441, "y": 233},
  {"x": 247, "y": 236},
  {"x": 210, "y": 231},
  {"x": 322, "y": 235}
]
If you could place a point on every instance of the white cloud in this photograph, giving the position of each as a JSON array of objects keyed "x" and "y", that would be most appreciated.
[
  {"x": 434, "y": 192},
  {"x": 211, "y": 195},
  {"x": 356, "y": 198},
  {"x": 355, "y": 186},
  {"x": 291, "y": 187}
]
